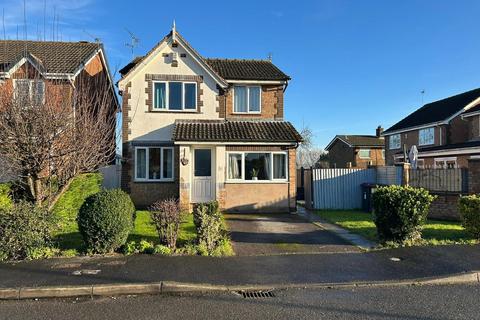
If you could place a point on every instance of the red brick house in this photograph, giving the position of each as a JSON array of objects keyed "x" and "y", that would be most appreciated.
[
  {"x": 446, "y": 133},
  {"x": 356, "y": 151},
  {"x": 44, "y": 68},
  {"x": 203, "y": 129}
]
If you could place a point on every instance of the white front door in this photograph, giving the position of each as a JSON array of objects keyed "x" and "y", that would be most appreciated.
[{"x": 203, "y": 187}]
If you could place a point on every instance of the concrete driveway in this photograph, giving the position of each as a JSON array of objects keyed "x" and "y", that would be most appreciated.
[{"x": 269, "y": 234}]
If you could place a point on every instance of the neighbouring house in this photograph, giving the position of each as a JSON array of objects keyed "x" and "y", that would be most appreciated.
[
  {"x": 446, "y": 133},
  {"x": 203, "y": 129},
  {"x": 37, "y": 68},
  {"x": 357, "y": 151}
]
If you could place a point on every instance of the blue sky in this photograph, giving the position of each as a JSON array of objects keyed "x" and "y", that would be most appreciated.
[{"x": 354, "y": 64}]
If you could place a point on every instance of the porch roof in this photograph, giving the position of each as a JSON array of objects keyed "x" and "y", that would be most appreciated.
[{"x": 235, "y": 131}]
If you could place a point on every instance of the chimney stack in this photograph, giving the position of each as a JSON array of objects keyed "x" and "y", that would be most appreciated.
[{"x": 379, "y": 131}]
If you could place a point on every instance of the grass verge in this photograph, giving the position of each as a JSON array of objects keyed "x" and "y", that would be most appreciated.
[{"x": 435, "y": 232}]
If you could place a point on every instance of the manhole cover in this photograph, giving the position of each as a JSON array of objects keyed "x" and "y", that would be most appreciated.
[
  {"x": 257, "y": 294},
  {"x": 85, "y": 272}
]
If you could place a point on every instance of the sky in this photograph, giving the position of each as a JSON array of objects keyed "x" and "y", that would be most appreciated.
[{"x": 354, "y": 64}]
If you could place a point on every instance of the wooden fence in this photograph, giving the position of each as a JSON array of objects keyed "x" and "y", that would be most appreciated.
[{"x": 439, "y": 180}]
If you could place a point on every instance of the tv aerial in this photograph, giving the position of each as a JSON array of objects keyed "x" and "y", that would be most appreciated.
[{"x": 134, "y": 41}]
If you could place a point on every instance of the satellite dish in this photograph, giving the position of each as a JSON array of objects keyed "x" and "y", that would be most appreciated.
[{"x": 413, "y": 156}]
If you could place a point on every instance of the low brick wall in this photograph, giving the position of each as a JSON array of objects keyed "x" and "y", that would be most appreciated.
[{"x": 445, "y": 207}]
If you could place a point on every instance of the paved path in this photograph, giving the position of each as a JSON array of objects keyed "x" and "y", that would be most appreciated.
[{"x": 267, "y": 234}]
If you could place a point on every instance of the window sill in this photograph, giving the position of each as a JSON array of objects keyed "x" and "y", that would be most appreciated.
[
  {"x": 172, "y": 111},
  {"x": 248, "y": 113},
  {"x": 154, "y": 181},
  {"x": 256, "y": 181}
]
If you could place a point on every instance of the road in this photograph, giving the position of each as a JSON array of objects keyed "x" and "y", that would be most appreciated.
[{"x": 411, "y": 303}]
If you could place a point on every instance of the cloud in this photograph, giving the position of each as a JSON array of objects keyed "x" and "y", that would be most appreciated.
[{"x": 70, "y": 17}]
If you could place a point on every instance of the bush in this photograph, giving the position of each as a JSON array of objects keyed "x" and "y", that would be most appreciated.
[
  {"x": 25, "y": 231},
  {"x": 209, "y": 224},
  {"x": 469, "y": 207},
  {"x": 167, "y": 216},
  {"x": 5, "y": 196},
  {"x": 161, "y": 249},
  {"x": 400, "y": 212},
  {"x": 105, "y": 220}
]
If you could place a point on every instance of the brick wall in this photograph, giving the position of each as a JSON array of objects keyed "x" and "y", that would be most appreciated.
[
  {"x": 271, "y": 104},
  {"x": 458, "y": 131},
  {"x": 376, "y": 158},
  {"x": 474, "y": 127},
  {"x": 474, "y": 176},
  {"x": 340, "y": 154},
  {"x": 445, "y": 207}
]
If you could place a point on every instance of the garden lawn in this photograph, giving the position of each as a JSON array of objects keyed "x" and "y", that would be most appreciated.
[{"x": 435, "y": 232}]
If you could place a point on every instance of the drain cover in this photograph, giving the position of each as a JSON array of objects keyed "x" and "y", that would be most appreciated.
[{"x": 257, "y": 294}]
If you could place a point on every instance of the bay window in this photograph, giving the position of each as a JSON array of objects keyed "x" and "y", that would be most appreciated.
[
  {"x": 426, "y": 136},
  {"x": 154, "y": 163},
  {"x": 247, "y": 99},
  {"x": 257, "y": 166},
  {"x": 174, "y": 95}
]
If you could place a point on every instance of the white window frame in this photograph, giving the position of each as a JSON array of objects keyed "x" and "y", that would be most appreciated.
[
  {"x": 30, "y": 88},
  {"x": 421, "y": 163},
  {"x": 167, "y": 97},
  {"x": 242, "y": 179},
  {"x": 423, "y": 143},
  {"x": 147, "y": 164},
  {"x": 383, "y": 153},
  {"x": 248, "y": 100},
  {"x": 392, "y": 146},
  {"x": 369, "y": 153},
  {"x": 444, "y": 160}
]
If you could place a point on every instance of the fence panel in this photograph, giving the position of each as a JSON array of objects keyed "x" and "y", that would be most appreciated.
[
  {"x": 340, "y": 188},
  {"x": 389, "y": 175},
  {"x": 439, "y": 180},
  {"x": 111, "y": 176}
]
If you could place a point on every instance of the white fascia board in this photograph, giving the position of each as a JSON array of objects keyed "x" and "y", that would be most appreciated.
[
  {"x": 21, "y": 62},
  {"x": 257, "y": 81},
  {"x": 423, "y": 126},
  {"x": 335, "y": 139},
  {"x": 445, "y": 152},
  {"x": 467, "y": 107},
  {"x": 476, "y": 113},
  {"x": 233, "y": 143}
]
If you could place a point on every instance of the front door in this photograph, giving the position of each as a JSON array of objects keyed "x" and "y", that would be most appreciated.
[{"x": 203, "y": 189}]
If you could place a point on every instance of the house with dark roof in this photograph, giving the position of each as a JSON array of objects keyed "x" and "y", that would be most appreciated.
[
  {"x": 445, "y": 132},
  {"x": 356, "y": 151},
  {"x": 201, "y": 129},
  {"x": 34, "y": 68}
]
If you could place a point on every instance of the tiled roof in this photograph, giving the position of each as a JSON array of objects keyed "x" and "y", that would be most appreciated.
[
  {"x": 436, "y": 111},
  {"x": 359, "y": 141},
  {"x": 235, "y": 131},
  {"x": 130, "y": 65},
  {"x": 235, "y": 69},
  {"x": 54, "y": 57}
]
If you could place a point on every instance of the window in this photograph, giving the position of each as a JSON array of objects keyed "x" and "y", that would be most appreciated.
[
  {"x": 394, "y": 141},
  {"x": 257, "y": 166},
  {"x": 445, "y": 163},
  {"x": 176, "y": 96},
  {"x": 31, "y": 92},
  {"x": 383, "y": 154},
  {"x": 154, "y": 163},
  {"x": 247, "y": 99},
  {"x": 364, "y": 153},
  {"x": 426, "y": 136}
]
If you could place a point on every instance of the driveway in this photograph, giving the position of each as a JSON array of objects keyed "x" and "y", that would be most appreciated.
[{"x": 270, "y": 234}]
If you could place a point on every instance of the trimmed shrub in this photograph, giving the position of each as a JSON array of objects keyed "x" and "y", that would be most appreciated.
[
  {"x": 469, "y": 207},
  {"x": 400, "y": 212},
  {"x": 5, "y": 196},
  {"x": 163, "y": 250},
  {"x": 25, "y": 231},
  {"x": 105, "y": 220},
  {"x": 209, "y": 224},
  {"x": 167, "y": 216}
]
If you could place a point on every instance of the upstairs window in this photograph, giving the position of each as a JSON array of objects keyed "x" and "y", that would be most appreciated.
[
  {"x": 394, "y": 141},
  {"x": 175, "y": 96},
  {"x": 426, "y": 136},
  {"x": 247, "y": 99},
  {"x": 29, "y": 92}
]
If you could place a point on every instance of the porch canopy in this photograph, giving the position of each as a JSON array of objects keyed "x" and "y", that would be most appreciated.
[{"x": 228, "y": 131}]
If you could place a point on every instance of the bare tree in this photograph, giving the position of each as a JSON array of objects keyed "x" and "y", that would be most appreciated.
[
  {"x": 53, "y": 130},
  {"x": 307, "y": 154}
]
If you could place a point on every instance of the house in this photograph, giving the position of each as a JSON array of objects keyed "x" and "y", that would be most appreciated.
[
  {"x": 34, "y": 69},
  {"x": 445, "y": 132},
  {"x": 356, "y": 151},
  {"x": 203, "y": 129}
]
